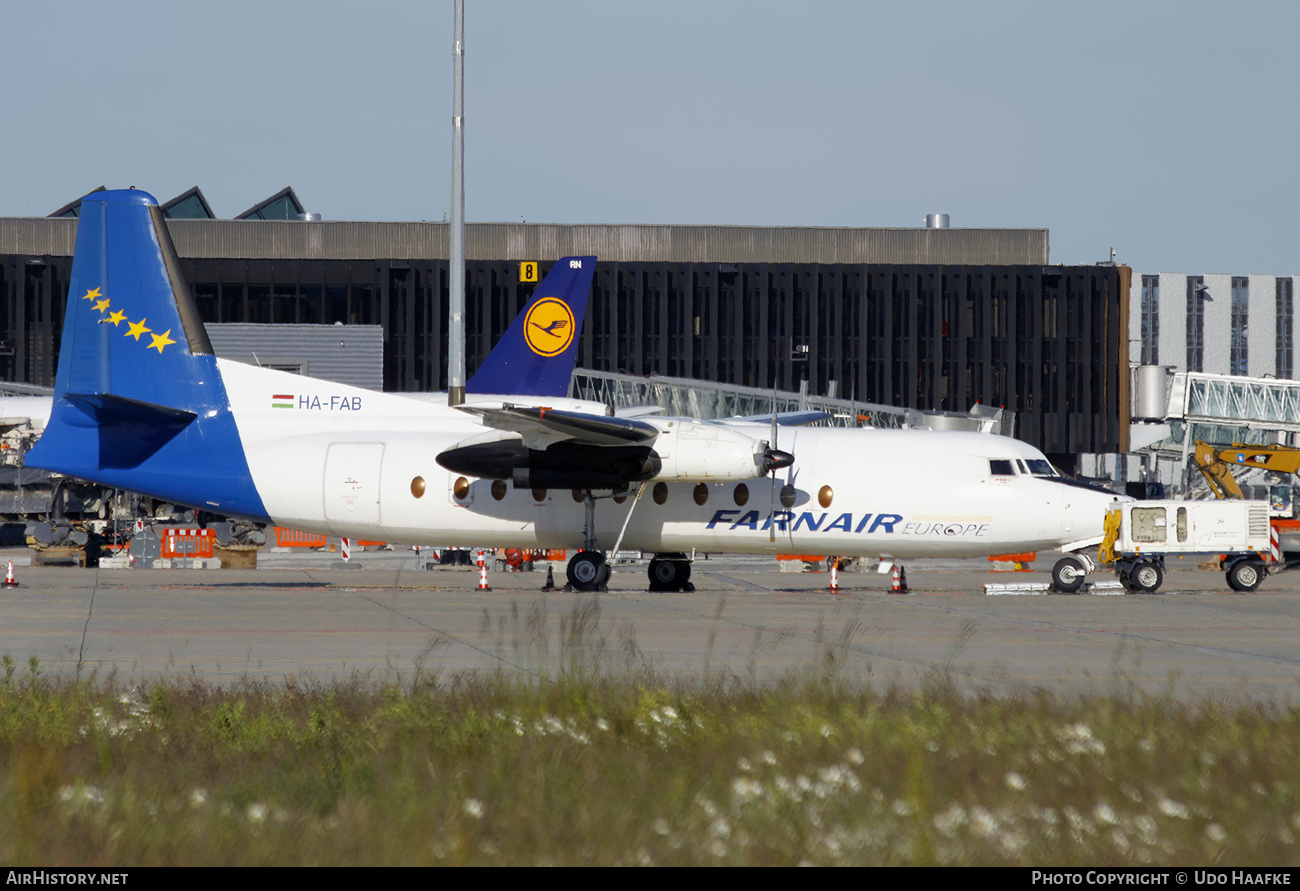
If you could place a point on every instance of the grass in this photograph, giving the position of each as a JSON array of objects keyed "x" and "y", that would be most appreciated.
[{"x": 604, "y": 761}]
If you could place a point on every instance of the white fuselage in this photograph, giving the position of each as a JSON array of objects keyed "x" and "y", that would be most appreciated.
[{"x": 356, "y": 463}]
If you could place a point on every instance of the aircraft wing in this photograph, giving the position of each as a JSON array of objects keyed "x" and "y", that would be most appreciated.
[
  {"x": 786, "y": 418},
  {"x": 638, "y": 411},
  {"x": 540, "y": 427}
]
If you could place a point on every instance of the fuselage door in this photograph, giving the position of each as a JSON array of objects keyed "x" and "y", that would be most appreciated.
[{"x": 352, "y": 483}]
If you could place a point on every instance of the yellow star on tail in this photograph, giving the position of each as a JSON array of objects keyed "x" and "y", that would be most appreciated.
[
  {"x": 91, "y": 295},
  {"x": 116, "y": 317},
  {"x": 160, "y": 341},
  {"x": 101, "y": 306},
  {"x": 137, "y": 328}
]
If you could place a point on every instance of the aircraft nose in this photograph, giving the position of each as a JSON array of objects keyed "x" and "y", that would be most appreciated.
[{"x": 1084, "y": 513}]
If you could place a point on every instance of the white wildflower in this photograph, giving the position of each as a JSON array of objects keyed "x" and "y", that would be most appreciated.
[
  {"x": 1146, "y": 825},
  {"x": 80, "y": 795},
  {"x": 1104, "y": 813},
  {"x": 1079, "y": 740},
  {"x": 1171, "y": 808},
  {"x": 1012, "y": 841},
  {"x": 948, "y": 821},
  {"x": 1015, "y": 781},
  {"x": 983, "y": 821},
  {"x": 473, "y": 807},
  {"x": 743, "y": 789}
]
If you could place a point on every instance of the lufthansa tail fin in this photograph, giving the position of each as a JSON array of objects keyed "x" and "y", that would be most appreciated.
[
  {"x": 139, "y": 402},
  {"x": 535, "y": 356}
]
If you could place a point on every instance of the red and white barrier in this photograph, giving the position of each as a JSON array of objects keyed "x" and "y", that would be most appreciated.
[{"x": 482, "y": 571}]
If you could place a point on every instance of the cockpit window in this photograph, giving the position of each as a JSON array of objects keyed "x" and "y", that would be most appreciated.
[
  {"x": 1039, "y": 467},
  {"x": 1001, "y": 467},
  {"x": 1020, "y": 465}
]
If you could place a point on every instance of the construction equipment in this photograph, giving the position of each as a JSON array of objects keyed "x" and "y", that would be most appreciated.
[{"x": 1216, "y": 463}]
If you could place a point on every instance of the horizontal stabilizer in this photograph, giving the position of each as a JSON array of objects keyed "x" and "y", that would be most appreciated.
[
  {"x": 125, "y": 433},
  {"x": 105, "y": 408},
  {"x": 540, "y": 426}
]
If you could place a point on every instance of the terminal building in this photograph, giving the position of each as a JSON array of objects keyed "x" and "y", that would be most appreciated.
[{"x": 934, "y": 319}]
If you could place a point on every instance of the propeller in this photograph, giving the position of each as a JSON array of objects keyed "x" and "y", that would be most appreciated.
[
  {"x": 772, "y": 460},
  {"x": 771, "y": 463},
  {"x": 771, "y": 446}
]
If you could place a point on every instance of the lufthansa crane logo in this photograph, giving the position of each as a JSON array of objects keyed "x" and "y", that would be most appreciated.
[{"x": 548, "y": 327}]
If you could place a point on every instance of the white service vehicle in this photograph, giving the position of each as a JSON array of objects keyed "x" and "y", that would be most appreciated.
[{"x": 1140, "y": 534}]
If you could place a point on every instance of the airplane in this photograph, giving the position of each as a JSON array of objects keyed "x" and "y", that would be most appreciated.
[{"x": 142, "y": 403}]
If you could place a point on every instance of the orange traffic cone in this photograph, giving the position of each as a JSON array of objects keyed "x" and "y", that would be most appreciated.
[
  {"x": 835, "y": 578},
  {"x": 550, "y": 579},
  {"x": 899, "y": 585},
  {"x": 10, "y": 581},
  {"x": 482, "y": 572}
]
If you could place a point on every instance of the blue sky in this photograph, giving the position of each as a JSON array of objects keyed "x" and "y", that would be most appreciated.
[{"x": 1167, "y": 130}]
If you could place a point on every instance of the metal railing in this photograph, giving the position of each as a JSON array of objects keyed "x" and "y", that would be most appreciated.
[{"x": 704, "y": 399}]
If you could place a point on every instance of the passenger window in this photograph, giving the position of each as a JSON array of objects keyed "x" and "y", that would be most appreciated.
[{"x": 1001, "y": 467}]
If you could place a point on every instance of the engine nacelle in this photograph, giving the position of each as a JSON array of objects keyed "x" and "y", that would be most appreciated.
[
  {"x": 684, "y": 451},
  {"x": 691, "y": 451}
]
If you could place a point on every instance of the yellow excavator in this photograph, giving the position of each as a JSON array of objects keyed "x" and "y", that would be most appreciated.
[{"x": 1216, "y": 463}]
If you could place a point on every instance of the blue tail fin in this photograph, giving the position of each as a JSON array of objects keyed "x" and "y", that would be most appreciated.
[
  {"x": 138, "y": 400},
  {"x": 536, "y": 354}
]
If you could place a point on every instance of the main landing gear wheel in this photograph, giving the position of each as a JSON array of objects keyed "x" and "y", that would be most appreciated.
[
  {"x": 670, "y": 572},
  {"x": 1146, "y": 576},
  {"x": 1068, "y": 575},
  {"x": 1245, "y": 575},
  {"x": 588, "y": 571}
]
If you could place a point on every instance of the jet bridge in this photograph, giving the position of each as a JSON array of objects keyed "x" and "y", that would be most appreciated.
[
  {"x": 1214, "y": 408},
  {"x": 1264, "y": 403},
  {"x": 684, "y": 397}
]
